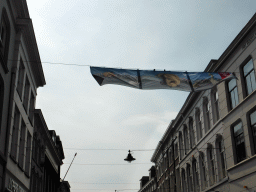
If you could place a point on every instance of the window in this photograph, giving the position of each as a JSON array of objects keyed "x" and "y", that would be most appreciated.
[
  {"x": 181, "y": 146},
  {"x": 195, "y": 175},
  {"x": 178, "y": 179},
  {"x": 206, "y": 112},
  {"x": 203, "y": 170},
  {"x": 215, "y": 105},
  {"x": 186, "y": 139},
  {"x": 15, "y": 133},
  {"x": 253, "y": 128},
  {"x": 38, "y": 152},
  {"x": 26, "y": 95},
  {"x": 2, "y": 93},
  {"x": 1, "y": 175},
  {"x": 220, "y": 157},
  {"x": 238, "y": 135},
  {"x": 211, "y": 164},
  {"x": 21, "y": 76},
  {"x": 184, "y": 183},
  {"x": 191, "y": 133},
  {"x": 4, "y": 39},
  {"x": 176, "y": 155},
  {"x": 22, "y": 145},
  {"x": 3, "y": 33},
  {"x": 198, "y": 125},
  {"x": 249, "y": 77},
  {"x": 233, "y": 94},
  {"x": 28, "y": 154},
  {"x": 31, "y": 107},
  {"x": 165, "y": 162},
  {"x": 189, "y": 178},
  {"x": 170, "y": 157},
  {"x": 172, "y": 183}
]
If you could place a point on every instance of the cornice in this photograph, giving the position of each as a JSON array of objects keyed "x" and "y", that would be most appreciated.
[
  {"x": 213, "y": 66},
  {"x": 233, "y": 45},
  {"x": 49, "y": 140}
]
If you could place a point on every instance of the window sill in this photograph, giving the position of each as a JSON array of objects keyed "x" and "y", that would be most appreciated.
[
  {"x": 13, "y": 159},
  {"x": 21, "y": 168},
  {"x": 216, "y": 185},
  {"x": 241, "y": 163},
  {"x": 239, "y": 104}
]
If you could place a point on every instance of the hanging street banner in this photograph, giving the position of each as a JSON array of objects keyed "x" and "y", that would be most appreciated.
[{"x": 146, "y": 79}]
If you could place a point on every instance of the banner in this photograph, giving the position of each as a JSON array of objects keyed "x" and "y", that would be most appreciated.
[{"x": 146, "y": 79}]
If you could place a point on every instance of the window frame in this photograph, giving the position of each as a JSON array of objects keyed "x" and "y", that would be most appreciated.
[
  {"x": 206, "y": 114},
  {"x": 234, "y": 142},
  {"x": 181, "y": 145},
  {"x": 192, "y": 132},
  {"x": 229, "y": 96},
  {"x": 203, "y": 171},
  {"x": 184, "y": 180},
  {"x": 186, "y": 139},
  {"x": 198, "y": 120},
  {"x": 252, "y": 138},
  {"x": 2, "y": 93},
  {"x": 243, "y": 79},
  {"x": 215, "y": 105},
  {"x": 221, "y": 158},
  {"x": 211, "y": 165},
  {"x": 189, "y": 177},
  {"x": 195, "y": 175},
  {"x": 4, "y": 48}
]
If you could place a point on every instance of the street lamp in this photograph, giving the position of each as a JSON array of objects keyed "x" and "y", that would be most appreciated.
[{"x": 129, "y": 157}]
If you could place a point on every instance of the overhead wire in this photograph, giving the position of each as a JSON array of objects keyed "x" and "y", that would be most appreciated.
[
  {"x": 102, "y": 183},
  {"x": 74, "y": 64},
  {"x": 108, "y": 189},
  {"x": 108, "y": 149},
  {"x": 82, "y": 65},
  {"x": 109, "y": 164}
]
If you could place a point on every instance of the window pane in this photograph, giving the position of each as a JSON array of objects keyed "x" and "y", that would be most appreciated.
[
  {"x": 236, "y": 96},
  {"x": 233, "y": 102},
  {"x": 249, "y": 84},
  {"x": 216, "y": 96},
  {"x": 252, "y": 75},
  {"x": 248, "y": 67},
  {"x": 239, "y": 142},
  {"x": 238, "y": 129},
  {"x": 232, "y": 84},
  {"x": 253, "y": 118}
]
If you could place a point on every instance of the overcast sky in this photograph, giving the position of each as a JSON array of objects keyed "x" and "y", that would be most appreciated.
[{"x": 142, "y": 34}]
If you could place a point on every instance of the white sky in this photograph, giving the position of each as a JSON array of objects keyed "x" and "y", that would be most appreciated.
[{"x": 144, "y": 34}]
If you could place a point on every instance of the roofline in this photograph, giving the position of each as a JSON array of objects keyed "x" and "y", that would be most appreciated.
[
  {"x": 23, "y": 19},
  {"x": 213, "y": 66},
  {"x": 46, "y": 131}
]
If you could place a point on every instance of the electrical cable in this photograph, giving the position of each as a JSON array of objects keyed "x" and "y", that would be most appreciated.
[
  {"x": 109, "y": 164},
  {"x": 108, "y": 189},
  {"x": 127, "y": 150},
  {"x": 80, "y": 65},
  {"x": 103, "y": 183},
  {"x": 108, "y": 149}
]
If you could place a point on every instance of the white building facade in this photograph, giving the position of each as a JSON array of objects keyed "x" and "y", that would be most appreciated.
[{"x": 211, "y": 144}]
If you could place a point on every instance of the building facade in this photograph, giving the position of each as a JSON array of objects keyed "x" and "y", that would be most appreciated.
[
  {"x": 47, "y": 157},
  {"x": 211, "y": 144},
  {"x": 7, "y": 39},
  {"x": 19, "y": 82},
  {"x": 148, "y": 183},
  {"x": 30, "y": 154}
]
